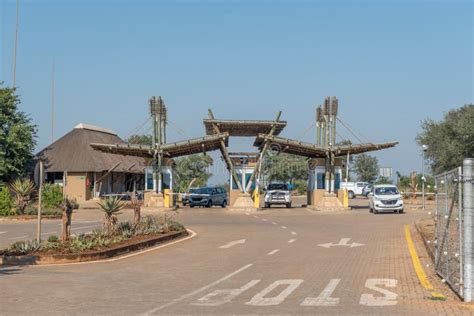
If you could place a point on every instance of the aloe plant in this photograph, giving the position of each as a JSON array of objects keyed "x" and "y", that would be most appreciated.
[
  {"x": 22, "y": 188},
  {"x": 111, "y": 206}
]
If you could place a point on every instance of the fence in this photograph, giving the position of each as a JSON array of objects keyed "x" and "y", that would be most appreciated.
[
  {"x": 454, "y": 218},
  {"x": 449, "y": 232}
]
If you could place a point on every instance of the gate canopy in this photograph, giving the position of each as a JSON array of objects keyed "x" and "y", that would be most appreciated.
[
  {"x": 309, "y": 150},
  {"x": 247, "y": 128},
  {"x": 170, "y": 150}
]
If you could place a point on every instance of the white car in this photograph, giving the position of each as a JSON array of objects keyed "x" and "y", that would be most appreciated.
[
  {"x": 354, "y": 188},
  {"x": 385, "y": 198},
  {"x": 277, "y": 193}
]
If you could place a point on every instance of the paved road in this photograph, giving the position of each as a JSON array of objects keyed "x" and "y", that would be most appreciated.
[{"x": 276, "y": 261}]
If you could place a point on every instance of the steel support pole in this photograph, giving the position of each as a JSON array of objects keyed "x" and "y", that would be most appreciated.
[
  {"x": 468, "y": 216},
  {"x": 40, "y": 192}
]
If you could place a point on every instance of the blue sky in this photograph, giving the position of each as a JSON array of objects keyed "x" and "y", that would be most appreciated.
[{"x": 390, "y": 63}]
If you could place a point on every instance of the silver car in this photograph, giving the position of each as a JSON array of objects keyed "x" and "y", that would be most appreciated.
[
  {"x": 277, "y": 193},
  {"x": 385, "y": 198},
  {"x": 208, "y": 197}
]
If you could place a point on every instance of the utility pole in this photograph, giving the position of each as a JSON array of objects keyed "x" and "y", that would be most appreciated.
[
  {"x": 53, "y": 100},
  {"x": 40, "y": 192},
  {"x": 468, "y": 223},
  {"x": 15, "y": 46}
]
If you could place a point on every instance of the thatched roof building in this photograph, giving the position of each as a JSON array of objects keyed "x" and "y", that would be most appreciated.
[{"x": 88, "y": 172}]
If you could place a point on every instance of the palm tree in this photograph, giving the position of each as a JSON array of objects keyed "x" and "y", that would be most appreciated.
[
  {"x": 111, "y": 207},
  {"x": 22, "y": 188}
]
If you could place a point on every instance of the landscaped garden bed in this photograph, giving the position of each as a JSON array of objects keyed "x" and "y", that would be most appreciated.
[{"x": 100, "y": 244}]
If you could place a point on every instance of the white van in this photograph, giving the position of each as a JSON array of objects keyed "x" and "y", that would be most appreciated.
[{"x": 354, "y": 188}]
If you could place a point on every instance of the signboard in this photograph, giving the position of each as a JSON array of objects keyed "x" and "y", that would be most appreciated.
[{"x": 385, "y": 172}]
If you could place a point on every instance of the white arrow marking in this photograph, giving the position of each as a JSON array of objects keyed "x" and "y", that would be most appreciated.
[
  {"x": 344, "y": 242},
  {"x": 3, "y": 233},
  {"x": 233, "y": 243}
]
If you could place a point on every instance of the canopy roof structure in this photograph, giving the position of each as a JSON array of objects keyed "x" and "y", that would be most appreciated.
[
  {"x": 309, "y": 150},
  {"x": 170, "y": 150},
  {"x": 246, "y": 128}
]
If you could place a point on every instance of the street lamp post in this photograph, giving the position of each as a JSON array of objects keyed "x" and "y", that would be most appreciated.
[{"x": 423, "y": 179}]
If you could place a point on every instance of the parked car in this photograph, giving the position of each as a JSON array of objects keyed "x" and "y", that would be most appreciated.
[
  {"x": 354, "y": 188},
  {"x": 385, "y": 198},
  {"x": 208, "y": 197},
  {"x": 367, "y": 189},
  {"x": 185, "y": 197},
  {"x": 277, "y": 194}
]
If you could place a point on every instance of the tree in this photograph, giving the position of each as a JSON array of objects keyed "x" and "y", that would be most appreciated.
[
  {"x": 17, "y": 136},
  {"x": 450, "y": 140},
  {"x": 140, "y": 140},
  {"x": 366, "y": 167},
  {"x": 192, "y": 167},
  {"x": 285, "y": 168},
  {"x": 23, "y": 189}
]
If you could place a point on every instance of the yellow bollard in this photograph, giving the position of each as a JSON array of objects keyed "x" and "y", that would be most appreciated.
[
  {"x": 166, "y": 193},
  {"x": 256, "y": 198},
  {"x": 345, "y": 198}
]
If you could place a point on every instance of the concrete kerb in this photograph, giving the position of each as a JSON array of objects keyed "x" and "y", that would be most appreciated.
[{"x": 109, "y": 255}]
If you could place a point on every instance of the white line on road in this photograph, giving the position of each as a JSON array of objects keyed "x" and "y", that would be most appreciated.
[
  {"x": 49, "y": 233},
  {"x": 293, "y": 233},
  {"x": 284, "y": 227},
  {"x": 20, "y": 237},
  {"x": 202, "y": 289},
  {"x": 271, "y": 253},
  {"x": 264, "y": 219},
  {"x": 248, "y": 214},
  {"x": 291, "y": 241},
  {"x": 255, "y": 216},
  {"x": 83, "y": 227},
  {"x": 274, "y": 223},
  {"x": 3, "y": 233},
  {"x": 233, "y": 243}
]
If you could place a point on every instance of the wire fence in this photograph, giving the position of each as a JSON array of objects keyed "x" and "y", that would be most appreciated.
[{"x": 449, "y": 229}]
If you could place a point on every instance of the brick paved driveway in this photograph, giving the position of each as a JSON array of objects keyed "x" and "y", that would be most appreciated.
[{"x": 275, "y": 261}]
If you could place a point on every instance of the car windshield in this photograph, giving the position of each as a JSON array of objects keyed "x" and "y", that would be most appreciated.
[
  {"x": 204, "y": 191},
  {"x": 193, "y": 190},
  {"x": 277, "y": 186},
  {"x": 386, "y": 191}
]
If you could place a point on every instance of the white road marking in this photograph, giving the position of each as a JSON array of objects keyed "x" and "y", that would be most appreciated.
[
  {"x": 264, "y": 219},
  {"x": 219, "y": 297},
  {"x": 248, "y": 214},
  {"x": 284, "y": 227},
  {"x": 3, "y": 233},
  {"x": 200, "y": 290},
  {"x": 293, "y": 233},
  {"x": 324, "y": 299},
  {"x": 274, "y": 223},
  {"x": 291, "y": 241},
  {"x": 48, "y": 233},
  {"x": 19, "y": 237},
  {"x": 271, "y": 253},
  {"x": 261, "y": 300},
  {"x": 255, "y": 216},
  {"x": 233, "y": 243},
  {"x": 344, "y": 242},
  {"x": 389, "y": 298}
]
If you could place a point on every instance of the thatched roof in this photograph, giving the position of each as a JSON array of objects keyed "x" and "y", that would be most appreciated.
[
  {"x": 296, "y": 147},
  {"x": 244, "y": 128},
  {"x": 170, "y": 150},
  {"x": 73, "y": 153}
]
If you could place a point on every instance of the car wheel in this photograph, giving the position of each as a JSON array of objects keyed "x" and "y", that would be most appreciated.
[
  {"x": 267, "y": 205},
  {"x": 191, "y": 206},
  {"x": 224, "y": 204},
  {"x": 209, "y": 204},
  {"x": 375, "y": 211},
  {"x": 288, "y": 205},
  {"x": 351, "y": 195},
  {"x": 370, "y": 210},
  {"x": 401, "y": 212}
]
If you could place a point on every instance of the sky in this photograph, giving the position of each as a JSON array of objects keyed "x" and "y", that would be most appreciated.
[{"x": 391, "y": 64}]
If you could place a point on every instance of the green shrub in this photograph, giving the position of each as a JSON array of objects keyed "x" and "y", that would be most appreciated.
[
  {"x": 52, "y": 196},
  {"x": 53, "y": 238},
  {"x": 25, "y": 247},
  {"x": 6, "y": 202}
]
